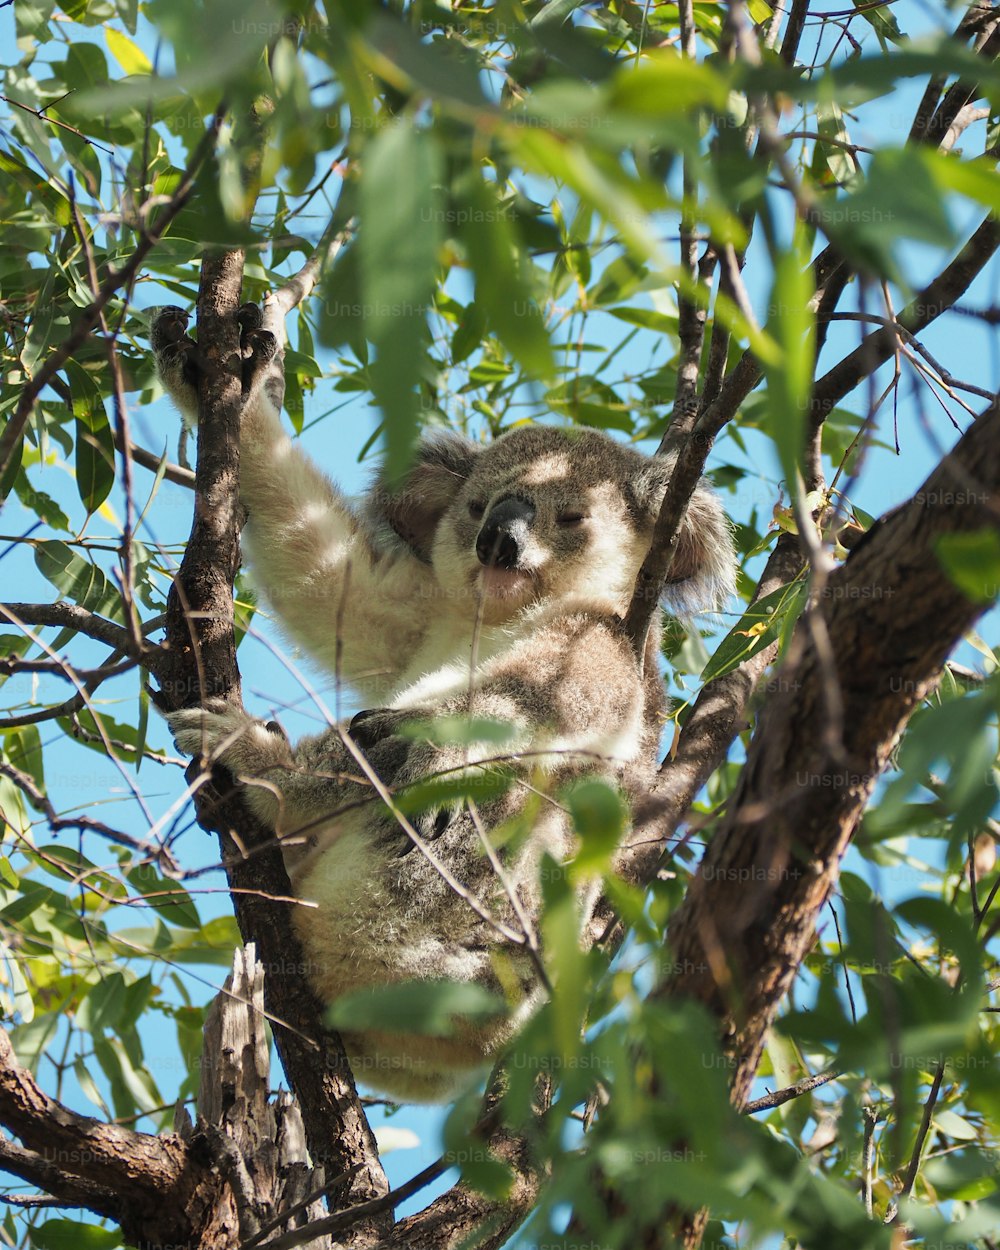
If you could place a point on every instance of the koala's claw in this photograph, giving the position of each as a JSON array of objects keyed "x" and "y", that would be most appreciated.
[
  {"x": 257, "y": 347},
  {"x": 168, "y": 326},
  {"x": 376, "y": 723},
  {"x": 431, "y": 825},
  {"x": 370, "y": 726},
  {"x": 222, "y": 734},
  {"x": 176, "y": 352},
  {"x": 249, "y": 317}
]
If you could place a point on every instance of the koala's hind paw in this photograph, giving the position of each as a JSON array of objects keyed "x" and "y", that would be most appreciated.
[
  {"x": 249, "y": 317},
  {"x": 377, "y": 723},
  {"x": 258, "y": 349},
  {"x": 430, "y": 825}
]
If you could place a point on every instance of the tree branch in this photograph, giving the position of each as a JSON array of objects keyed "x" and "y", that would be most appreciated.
[
  {"x": 86, "y": 824},
  {"x": 936, "y": 298},
  {"x": 145, "y": 1183},
  {"x": 892, "y": 615},
  {"x": 72, "y": 616},
  {"x": 687, "y": 471},
  {"x": 55, "y": 1180}
]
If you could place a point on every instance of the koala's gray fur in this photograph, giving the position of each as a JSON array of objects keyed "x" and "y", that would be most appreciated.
[{"x": 489, "y": 583}]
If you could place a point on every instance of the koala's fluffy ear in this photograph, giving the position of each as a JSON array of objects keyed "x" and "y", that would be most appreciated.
[
  {"x": 703, "y": 572},
  {"x": 409, "y": 509}
]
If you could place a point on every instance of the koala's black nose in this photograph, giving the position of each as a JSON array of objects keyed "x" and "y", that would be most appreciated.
[{"x": 502, "y": 539}]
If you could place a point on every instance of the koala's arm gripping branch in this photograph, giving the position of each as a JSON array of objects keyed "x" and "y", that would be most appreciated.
[{"x": 314, "y": 560}]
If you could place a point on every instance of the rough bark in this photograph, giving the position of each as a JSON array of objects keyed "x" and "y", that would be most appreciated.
[
  {"x": 258, "y": 1144},
  {"x": 156, "y": 1188},
  {"x": 892, "y": 614}
]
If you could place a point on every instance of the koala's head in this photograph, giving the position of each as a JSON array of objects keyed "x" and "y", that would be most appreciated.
[{"x": 545, "y": 513}]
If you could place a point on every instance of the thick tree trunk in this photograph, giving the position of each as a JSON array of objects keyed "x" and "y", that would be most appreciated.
[{"x": 862, "y": 660}]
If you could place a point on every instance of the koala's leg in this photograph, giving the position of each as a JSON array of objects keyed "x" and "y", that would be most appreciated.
[
  {"x": 296, "y": 791},
  {"x": 257, "y": 754}
]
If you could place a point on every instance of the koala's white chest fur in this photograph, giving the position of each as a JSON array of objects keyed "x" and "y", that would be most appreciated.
[{"x": 447, "y": 659}]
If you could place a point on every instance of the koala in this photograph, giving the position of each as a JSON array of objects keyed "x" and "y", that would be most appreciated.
[{"x": 489, "y": 584}]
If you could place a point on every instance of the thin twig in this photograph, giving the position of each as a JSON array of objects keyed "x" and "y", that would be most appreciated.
[
  {"x": 925, "y": 1124},
  {"x": 780, "y": 1096},
  {"x": 870, "y": 1116}
]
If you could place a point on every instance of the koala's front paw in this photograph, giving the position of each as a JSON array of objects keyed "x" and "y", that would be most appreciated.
[
  {"x": 207, "y": 730},
  {"x": 177, "y": 359},
  {"x": 257, "y": 347},
  {"x": 221, "y": 733}
]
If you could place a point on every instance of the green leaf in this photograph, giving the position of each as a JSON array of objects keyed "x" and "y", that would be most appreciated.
[
  {"x": 95, "y": 444},
  {"x": 972, "y": 561},
  {"x": 400, "y": 207},
  {"x": 15, "y": 993},
  {"x": 554, "y": 12},
  {"x": 759, "y": 626},
  {"x": 102, "y": 1006},
  {"x": 78, "y": 580},
  {"x": 468, "y": 334},
  {"x": 171, "y": 900},
  {"x": 445, "y": 70},
  {"x": 431, "y": 1008},
  {"x": 882, "y": 19},
  {"x": 36, "y": 501},
  {"x": 460, "y": 730},
  {"x": 99, "y": 728},
  {"x": 954, "y": 1125},
  {"x": 978, "y": 179},
  {"x": 69, "y": 864},
  {"x": 899, "y": 199},
  {"x": 132, "y": 1089},
  {"x": 831, "y": 159},
  {"x": 648, "y": 318},
  {"x": 789, "y": 381},
  {"x": 73, "y": 1235},
  {"x": 479, "y": 784},
  {"x": 89, "y": 1086},
  {"x": 503, "y": 279},
  {"x": 567, "y": 963},
  {"x": 601, "y": 185},
  {"x": 23, "y": 748},
  {"x": 12, "y": 471},
  {"x": 129, "y": 55},
  {"x": 666, "y": 83},
  {"x": 599, "y": 817}
]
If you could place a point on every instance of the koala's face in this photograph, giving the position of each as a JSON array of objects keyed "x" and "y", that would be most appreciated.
[{"x": 543, "y": 514}]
